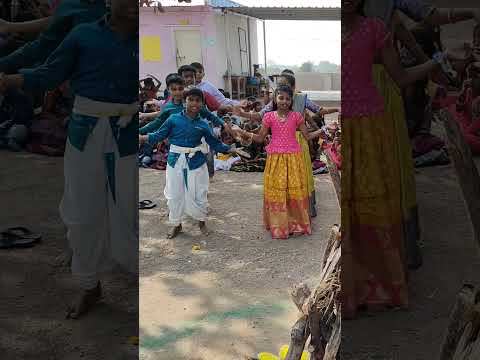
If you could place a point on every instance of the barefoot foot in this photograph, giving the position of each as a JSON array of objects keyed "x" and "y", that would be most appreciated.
[
  {"x": 174, "y": 231},
  {"x": 86, "y": 300},
  {"x": 203, "y": 228}
]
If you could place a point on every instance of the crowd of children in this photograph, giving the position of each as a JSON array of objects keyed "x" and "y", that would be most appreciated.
[{"x": 259, "y": 130}]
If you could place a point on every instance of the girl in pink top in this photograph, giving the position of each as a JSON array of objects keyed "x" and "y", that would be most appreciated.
[
  {"x": 286, "y": 202},
  {"x": 374, "y": 268}
]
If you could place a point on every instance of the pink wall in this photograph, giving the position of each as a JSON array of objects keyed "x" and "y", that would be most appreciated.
[{"x": 163, "y": 25}]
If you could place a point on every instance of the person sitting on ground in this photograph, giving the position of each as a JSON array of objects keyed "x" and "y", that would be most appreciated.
[
  {"x": 187, "y": 175},
  {"x": 148, "y": 89},
  {"x": 283, "y": 79}
]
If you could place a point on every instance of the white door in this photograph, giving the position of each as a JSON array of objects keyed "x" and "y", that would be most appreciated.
[{"x": 188, "y": 44}]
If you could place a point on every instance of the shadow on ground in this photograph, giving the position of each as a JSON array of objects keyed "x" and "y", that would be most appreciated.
[
  {"x": 34, "y": 291},
  {"x": 231, "y": 298}
]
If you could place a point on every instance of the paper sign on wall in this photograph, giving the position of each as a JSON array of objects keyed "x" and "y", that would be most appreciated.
[
  {"x": 151, "y": 48},
  {"x": 184, "y": 22}
]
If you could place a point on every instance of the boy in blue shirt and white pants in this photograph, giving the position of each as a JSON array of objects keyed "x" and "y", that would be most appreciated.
[{"x": 187, "y": 178}]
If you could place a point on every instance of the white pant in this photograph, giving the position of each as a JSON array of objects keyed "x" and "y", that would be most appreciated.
[
  {"x": 100, "y": 212},
  {"x": 186, "y": 191}
]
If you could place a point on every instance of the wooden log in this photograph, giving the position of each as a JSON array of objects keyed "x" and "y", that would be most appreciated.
[
  {"x": 458, "y": 319},
  {"x": 333, "y": 241},
  {"x": 300, "y": 295},
  {"x": 466, "y": 169},
  {"x": 298, "y": 337},
  {"x": 333, "y": 343},
  {"x": 335, "y": 175}
]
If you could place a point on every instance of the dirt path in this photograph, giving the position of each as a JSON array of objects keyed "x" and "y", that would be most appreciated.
[
  {"x": 34, "y": 292},
  {"x": 451, "y": 258},
  {"x": 230, "y": 298}
]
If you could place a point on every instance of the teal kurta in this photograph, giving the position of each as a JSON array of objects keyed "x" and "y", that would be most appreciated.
[
  {"x": 69, "y": 14},
  {"x": 172, "y": 108},
  {"x": 101, "y": 66}
]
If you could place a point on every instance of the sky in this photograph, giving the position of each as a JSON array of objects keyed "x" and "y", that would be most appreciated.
[{"x": 295, "y": 42}]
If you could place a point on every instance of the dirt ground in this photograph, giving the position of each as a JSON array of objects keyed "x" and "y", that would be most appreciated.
[
  {"x": 451, "y": 258},
  {"x": 34, "y": 291},
  {"x": 231, "y": 298}
]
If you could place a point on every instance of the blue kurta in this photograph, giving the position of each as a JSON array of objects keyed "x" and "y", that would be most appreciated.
[
  {"x": 69, "y": 14},
  {"x": 185, "y": 132},
  {"x": 99, "y": 64},
  {"x": 172, "y": 108}
]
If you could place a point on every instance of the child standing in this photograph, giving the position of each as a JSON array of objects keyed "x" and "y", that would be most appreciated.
[
  {"x": 176, "y": 87},
  {"x": 187, "y": 175},
  {"x": 99, "y": 205},
  {"x": 286, "y": 203},
  {"x": 374, "y": 266}
]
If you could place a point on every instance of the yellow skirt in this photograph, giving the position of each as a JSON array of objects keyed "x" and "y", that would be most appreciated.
[
  {"x": 394, "y": 106},
  {"x": 286, "y": 204},
  {"x": 374, "y": 272},
  {"x": 309, "y": 173}
]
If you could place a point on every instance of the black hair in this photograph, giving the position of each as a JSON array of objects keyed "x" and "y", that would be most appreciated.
[
  {"x": 194, "y": 92},
  {"x": 197, "y": 66},
  {"x": 148, "y": 81},
  {"x": 286, "y": 89},
  {"x": 225, "y": 93},
  {"x": 288, "y": 71},
  {"x": 186, "y": 68},
  {"x": 290, "y": 79},
  {"x": 175, "y": 79}
]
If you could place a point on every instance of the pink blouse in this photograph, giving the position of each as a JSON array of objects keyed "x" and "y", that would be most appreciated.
[
  {"x": 283, "y": 133},
  {"x": 360, "y": 96}
]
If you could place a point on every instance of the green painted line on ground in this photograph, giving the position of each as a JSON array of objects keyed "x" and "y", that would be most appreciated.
[{"x": 188, "y": 329}]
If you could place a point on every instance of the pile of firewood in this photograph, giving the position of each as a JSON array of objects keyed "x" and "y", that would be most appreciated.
[
  {"x": 462, "y": 338},
  {"x": 320, "y": 313}
]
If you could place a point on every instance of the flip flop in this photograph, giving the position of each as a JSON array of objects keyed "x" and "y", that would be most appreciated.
[
  {"x": 19, "y": 237},
  {"x": 146, "y": 204}
]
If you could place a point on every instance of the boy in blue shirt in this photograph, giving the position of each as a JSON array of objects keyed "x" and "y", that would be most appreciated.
[
  {"x": 99, "y": 205},
  {"x": 187, "y": 180},
  {"x": 176, "y": 86}
]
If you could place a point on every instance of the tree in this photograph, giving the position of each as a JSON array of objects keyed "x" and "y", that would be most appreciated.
[{"x": 307, "y": 67}]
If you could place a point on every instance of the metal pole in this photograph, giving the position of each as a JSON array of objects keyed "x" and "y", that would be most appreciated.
[
  {"x": 265, "y": 47},
  {"x": 249, "y": 49},
  {"x": 227, "y": 48}
]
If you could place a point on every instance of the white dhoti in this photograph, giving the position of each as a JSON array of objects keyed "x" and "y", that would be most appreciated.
[
  {"x": 186, "y": 190},
  {"x": 100, "y": 201}
]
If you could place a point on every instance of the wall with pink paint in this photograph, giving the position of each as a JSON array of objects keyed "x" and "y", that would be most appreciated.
[
  {"x": 164, "y": 24},
  {"x": 211, "y": 25}
]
